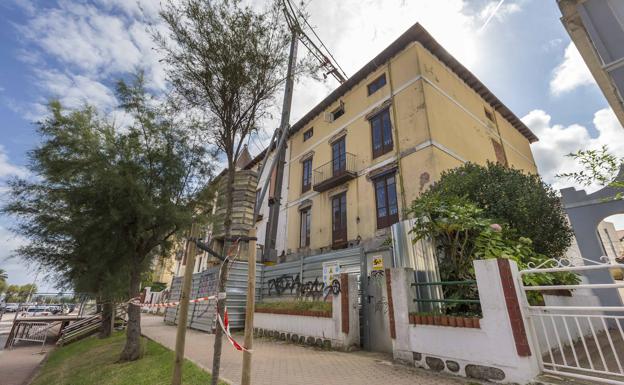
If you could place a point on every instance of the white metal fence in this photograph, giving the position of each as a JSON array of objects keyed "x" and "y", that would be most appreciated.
[
  {"x": 576, "y": 336},
  {"x": 32, "y": 332}
]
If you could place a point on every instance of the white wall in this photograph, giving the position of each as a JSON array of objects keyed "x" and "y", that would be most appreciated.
[
  {"x": 319, "y": 327},
  {"x": 492, "y": 345}
]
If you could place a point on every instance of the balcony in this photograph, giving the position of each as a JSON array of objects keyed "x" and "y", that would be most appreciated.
[{"x": 334, "y": 173}]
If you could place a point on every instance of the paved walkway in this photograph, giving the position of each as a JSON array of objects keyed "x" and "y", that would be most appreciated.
[
  {"x": 18, "y": 365},
  {"x": 284, "y": 363}
]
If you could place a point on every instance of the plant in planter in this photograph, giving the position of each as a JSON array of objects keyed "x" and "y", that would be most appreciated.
[{"x": 452, "y": 225}]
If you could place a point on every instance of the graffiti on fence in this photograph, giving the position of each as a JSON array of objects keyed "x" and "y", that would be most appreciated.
[
  {"x": 285, "y": 282},
  {"x": 314, "y": 290}
]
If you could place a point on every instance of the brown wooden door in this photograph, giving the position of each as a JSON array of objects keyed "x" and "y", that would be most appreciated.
[{"x": 339, "y": 220}]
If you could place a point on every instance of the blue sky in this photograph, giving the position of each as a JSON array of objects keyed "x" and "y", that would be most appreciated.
[{"x": 75, "y": 50}]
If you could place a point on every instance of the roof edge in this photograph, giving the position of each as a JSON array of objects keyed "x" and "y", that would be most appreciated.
[{"x": 417, "y": 33}]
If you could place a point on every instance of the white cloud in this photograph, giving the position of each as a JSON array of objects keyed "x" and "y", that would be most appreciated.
[
  {"x": 8, "y": 169},
  {"x": 80, "y": 49},
  {"x": 74, "y": 91},
  {"x": 19, "y": 272},
  {"x": 556, "y": 141},
  {"x": 498, "y": 9},
  {"x": 571, "y": 73}
]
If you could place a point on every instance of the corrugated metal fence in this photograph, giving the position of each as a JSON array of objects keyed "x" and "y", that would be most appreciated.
[
  {"x": 202, "y": 315},
  {"x": 308, "y": 269}
]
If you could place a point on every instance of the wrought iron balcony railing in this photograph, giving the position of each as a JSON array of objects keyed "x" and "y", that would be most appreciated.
[{"x": 334, "y": 172}]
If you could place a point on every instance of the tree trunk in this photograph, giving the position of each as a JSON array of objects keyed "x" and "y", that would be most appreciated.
[
  {"x": 107, "y": 315},
  {"x": 132, "y": 350},
  {"x": 227, "y": 224}
]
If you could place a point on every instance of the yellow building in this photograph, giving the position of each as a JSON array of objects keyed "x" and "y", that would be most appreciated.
[{"x": 359, "y": 157}]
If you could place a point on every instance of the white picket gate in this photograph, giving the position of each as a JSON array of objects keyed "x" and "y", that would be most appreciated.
[{"x": 575, "y": 335}]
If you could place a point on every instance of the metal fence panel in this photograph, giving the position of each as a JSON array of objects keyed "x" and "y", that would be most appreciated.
[
  {"x": 349, "y": 260},
  {"x": 202, "y": 315},
  {"x": 421, "y": 257}
]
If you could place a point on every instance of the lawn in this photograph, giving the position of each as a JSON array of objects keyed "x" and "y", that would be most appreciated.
[{"x": 93, "y": 361}]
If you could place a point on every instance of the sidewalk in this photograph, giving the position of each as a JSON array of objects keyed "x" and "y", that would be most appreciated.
[
  {"x": 284, "y": 363},
  {"x": 18, "y": 365}
]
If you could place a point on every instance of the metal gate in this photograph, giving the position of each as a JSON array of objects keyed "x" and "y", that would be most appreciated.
[{"x": 573, "y": 333}]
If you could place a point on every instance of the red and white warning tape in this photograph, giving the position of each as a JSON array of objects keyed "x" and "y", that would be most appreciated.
[
  {"x": 136, "y": 302},
  {"x": 224, "y": 325},
  {"x": 226, "y": 329}
]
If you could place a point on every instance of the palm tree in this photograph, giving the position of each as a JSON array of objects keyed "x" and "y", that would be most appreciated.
[{"x": 3, "y": 275}]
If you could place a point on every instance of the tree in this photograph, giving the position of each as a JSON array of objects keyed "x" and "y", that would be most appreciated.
[
  {"x": 19, "y": 293},
  {"x": 3, "y": 280},
  {"x": 226, "y": 62},
  {"x": 599, "y": 167},
  {"x": 523, "y": 201},
  {"x": 106, "y": 198}
]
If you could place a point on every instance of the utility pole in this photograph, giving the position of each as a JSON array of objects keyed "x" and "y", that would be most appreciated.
[
  {"x": 191, "y": 250},
  {"x": 274, "y": 208},
  {"x": 278, "y": 162}
]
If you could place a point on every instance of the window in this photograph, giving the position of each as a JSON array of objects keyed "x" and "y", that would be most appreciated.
[
  {"x": 306, "y": 179},
  {"x": 489, "y": 114},
  {"x": 339, "y": 157},
  {"x": 386, "y": 200},
  {"x": 338, "y": 112},
  {"x": 304, "y": 231},
  {"x": 376, "y": 84},
  {"x": 499, "y": 151},
  {"x": 308, "y": 134},
  {"x": 381, "y": 131},
  {"x": 339, "y": 219}
]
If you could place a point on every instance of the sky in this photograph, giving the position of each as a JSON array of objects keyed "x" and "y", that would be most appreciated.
[{"x": 75, "y": 51}]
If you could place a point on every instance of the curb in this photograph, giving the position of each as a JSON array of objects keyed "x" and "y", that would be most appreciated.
[{"x": 35, "y": 372}]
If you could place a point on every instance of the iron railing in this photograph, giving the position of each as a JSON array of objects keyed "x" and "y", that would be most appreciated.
[
  {"x": 432, "y": 297},
  {"x": 577, "y": 336},
  {"x": 343, "y": 165}
]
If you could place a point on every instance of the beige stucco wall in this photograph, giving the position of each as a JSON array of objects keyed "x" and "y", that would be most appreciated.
[{"x": 440, "y": 122}]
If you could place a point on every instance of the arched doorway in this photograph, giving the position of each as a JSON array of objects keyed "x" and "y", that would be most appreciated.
[
  {"x": 586, "y": 212},
  {"x": 611, "y": 234}
]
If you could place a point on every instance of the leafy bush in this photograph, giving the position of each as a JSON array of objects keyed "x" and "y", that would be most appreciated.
[
  {"x": 461, "y": 233},
  {"x": 523, "y": 201},
  {"x": 495, "y": 242}
]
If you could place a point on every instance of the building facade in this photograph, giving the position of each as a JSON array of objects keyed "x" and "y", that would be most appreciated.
[
  {"x": 597, "y": 29},
  {"x": 358, "y": 159}
]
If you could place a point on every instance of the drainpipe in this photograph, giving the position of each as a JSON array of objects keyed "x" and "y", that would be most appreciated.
[{"x": 396, "y": 135}]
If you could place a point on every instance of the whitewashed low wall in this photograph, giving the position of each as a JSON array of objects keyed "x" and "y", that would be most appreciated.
[
  {"x": 490, "y": 350},
  {"x": 320, "y": 331}
]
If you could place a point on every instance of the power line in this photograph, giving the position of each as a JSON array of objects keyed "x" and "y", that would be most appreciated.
[
  {"x": 292, "y": 19},
  {"x": 319, "y": 39}
]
